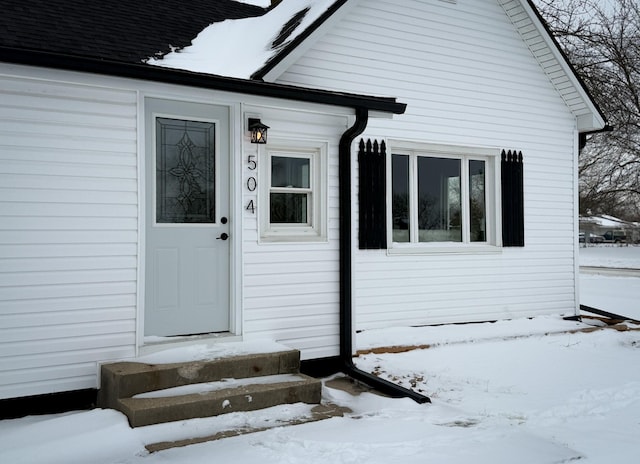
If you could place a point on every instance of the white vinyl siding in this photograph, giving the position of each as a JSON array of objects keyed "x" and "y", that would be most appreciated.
[
  {"x": 68, "y": 233},
  {"x": 291, "y": 290},
  {"x": 469, "y": 80}
]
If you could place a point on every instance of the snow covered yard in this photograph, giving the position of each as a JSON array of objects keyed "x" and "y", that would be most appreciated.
[
  {"x": 530, "y": 399},
  {"x": 526, "y": 391},
  {"x": 619, "y": 294},
  {"x": 608, "y": 255}
]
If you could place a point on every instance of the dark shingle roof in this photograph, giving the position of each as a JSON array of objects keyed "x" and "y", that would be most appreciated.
[{"x": 118, "y": 30}]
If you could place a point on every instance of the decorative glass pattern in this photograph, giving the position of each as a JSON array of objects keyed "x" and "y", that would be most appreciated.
[{"x": 185, "y": 171}]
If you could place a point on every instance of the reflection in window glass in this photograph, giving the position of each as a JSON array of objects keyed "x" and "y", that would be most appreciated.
[
  {"x": 439, "y": 200},
  {"x": 400, "y": 201},
  {"x": 289, "y": 172},
  {"x": 477, "y": 203},
  {"x": 290, "y": 195},
  {"x": 288, "y": 208}
]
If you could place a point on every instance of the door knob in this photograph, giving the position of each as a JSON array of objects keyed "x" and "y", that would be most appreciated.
[{"x": 223, "y": 236}]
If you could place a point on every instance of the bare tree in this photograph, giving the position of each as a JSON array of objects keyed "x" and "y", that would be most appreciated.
[{"x": 602, "y": 40}]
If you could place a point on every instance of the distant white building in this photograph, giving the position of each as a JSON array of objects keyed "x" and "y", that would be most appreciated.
[{"x": 612, "y": 229}]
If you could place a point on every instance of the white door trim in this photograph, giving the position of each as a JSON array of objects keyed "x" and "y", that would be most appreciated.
[{"x": 235, "y": 204}]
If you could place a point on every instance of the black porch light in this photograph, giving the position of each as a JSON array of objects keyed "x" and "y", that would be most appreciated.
[{"x": 258, "y": 131}]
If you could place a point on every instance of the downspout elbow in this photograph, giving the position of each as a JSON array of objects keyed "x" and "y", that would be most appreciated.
[{"x": 346, "y": 292}]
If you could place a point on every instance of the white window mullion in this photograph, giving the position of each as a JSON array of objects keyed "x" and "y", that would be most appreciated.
[
  {"x": 413, "y": 198},
  {"x": 464, "y": 195}
]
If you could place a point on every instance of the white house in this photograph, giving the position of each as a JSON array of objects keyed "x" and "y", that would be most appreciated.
[{"x": 134, "y": 208}]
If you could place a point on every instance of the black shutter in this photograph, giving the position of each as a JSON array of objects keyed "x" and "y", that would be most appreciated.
[
  {"x": 512, "y": 199},
  {"x": 372, "y": 173}
]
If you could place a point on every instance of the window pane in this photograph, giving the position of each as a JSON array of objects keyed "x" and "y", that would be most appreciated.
[
  {"x": 477, "y": 207},
  {"x": 439, "y": 203},
  {"x": 288, "y": 208},
  {"x": 400, "y": 201},
  {"x": 185, "y": 171},
  {"x": 290, "y": 172}
]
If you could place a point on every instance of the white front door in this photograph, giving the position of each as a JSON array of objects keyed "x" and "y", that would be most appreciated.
[{"x": 187, "y": 218}]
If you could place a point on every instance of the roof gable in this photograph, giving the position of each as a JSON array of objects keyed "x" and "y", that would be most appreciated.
[
  {"x": 229, "y": 38},
  {"x": 529, "y": 24},
  {"x": 291, "y": 28}
]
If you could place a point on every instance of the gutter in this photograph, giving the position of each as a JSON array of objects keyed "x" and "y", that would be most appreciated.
[
  {"x": 346, "y": 289},
  {"x": 582, "y": 137},
  {"x": 147, "y": 72}
]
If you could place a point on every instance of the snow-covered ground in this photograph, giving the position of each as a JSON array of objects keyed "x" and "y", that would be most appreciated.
[
  {"x": 616, "y": 294},
  {"x": 525, "y": 391},
  {"x": 607, "y": 255}
]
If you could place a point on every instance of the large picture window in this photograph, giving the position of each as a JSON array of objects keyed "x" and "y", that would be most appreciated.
[
  {"x": 442, "y": 195},
  {"x": 292, "y": 200}
]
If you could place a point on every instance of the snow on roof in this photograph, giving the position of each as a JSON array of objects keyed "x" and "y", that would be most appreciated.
[
  {"x": 605, "y": 220},
  {"x": 239, "y": 47},
  {"x": 261, "y": 3}
]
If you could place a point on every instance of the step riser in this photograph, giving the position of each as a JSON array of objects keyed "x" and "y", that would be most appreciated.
[
  {"x": 126, "y": 379},
  {"x": 148, "y": 411}
]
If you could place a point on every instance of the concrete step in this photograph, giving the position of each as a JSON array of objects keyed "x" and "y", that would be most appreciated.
[
  {"x": 317, "y": 413},
  {"x": 217, "y": 398},
  {"x": 126, "y": 379}
]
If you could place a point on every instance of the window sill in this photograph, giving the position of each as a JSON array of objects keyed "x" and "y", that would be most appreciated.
[
  {"x": 293, "y": 236},
  {"x": 442, "y": 248}
]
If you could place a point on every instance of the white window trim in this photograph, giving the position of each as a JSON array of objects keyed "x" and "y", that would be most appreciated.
[
  {"x": 316, "y": 229},
  {"x": 491, "y": 156}
]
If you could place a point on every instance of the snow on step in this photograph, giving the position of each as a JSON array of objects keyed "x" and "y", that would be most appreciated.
[
  {"x": 219, "y": 385},
  {"x": 248, "y": 396}
]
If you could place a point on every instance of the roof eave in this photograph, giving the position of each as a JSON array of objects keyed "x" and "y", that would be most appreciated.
[
  {"x": 189, "y": 78},
  {"x": 594, "y": 120}
]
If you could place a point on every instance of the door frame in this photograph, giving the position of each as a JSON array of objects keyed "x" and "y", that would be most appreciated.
[{"x": 235, "y": 226}]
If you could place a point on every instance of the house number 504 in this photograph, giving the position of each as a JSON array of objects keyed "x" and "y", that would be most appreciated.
[{"x": 252, "y": 183}]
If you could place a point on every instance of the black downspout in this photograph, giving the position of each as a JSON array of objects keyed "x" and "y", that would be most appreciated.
[{"x": 346, "y": 321}]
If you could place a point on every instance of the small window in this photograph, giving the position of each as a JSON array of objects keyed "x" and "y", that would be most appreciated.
[
  {"x": 292, "y": 203},
  {"x": 443, "y": 196},
  {"x": 291, "y": 194}
]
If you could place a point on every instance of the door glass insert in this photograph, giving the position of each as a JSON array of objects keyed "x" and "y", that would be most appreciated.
[{"x": 185, "y": 171}]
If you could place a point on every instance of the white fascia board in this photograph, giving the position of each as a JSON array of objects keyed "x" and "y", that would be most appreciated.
[
  {"x": 589, "y": 122},
  {"x": 586, "y": 122}
]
